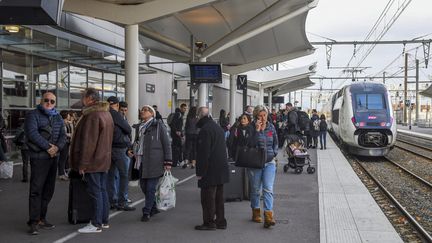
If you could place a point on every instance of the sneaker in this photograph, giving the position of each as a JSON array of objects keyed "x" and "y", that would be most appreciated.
[
  {"x": 45, "y": 225},
  {"x": 33, "y": 230},
  {"x": 125, "y": 208},
  {"x": 90, "y": 229},
  {"x": 128, "y": 200},
  {"x": 184, "y": 166},
  {"x": 63, "y": 178},
  {"x": 145, "y": 218},
  {"x": 105, "y": 226}
]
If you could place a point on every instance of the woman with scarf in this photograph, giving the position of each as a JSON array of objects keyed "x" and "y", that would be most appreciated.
[{"x": 153, "y": 155}]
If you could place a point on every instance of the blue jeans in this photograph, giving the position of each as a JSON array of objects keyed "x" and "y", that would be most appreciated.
[
  {"x": 148, "y": 187},
  {"x": 323, "y": 138},
  {"x": 262, "y": 179},
  {"x": 117, "y": 191},
  {"x": 96, "y": 188}
]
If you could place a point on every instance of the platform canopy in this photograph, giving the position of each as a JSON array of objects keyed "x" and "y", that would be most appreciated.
[
  {"x": 283, "y": 81},
  {"x": 427, "y": 92},
  {"x": 241, "y": 34}
]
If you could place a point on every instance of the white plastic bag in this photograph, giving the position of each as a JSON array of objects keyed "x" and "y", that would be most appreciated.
[
  {"x": 165, "y": 192},
  {"x": 6, "y": 170}
]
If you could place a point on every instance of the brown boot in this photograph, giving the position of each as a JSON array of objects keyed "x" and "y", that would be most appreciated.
[
  {"x": 268, "y": 219},
  {"x": 256, "y": 215}
]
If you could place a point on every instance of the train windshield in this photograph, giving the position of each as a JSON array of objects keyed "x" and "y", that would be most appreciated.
[{"x": 368, "y": 101}]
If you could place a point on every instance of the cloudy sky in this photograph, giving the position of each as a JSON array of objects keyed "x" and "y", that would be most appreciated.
[{"x": 352, "y": 20}]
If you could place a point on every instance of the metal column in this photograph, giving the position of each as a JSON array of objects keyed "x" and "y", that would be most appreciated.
[
  {"x": 405, "y": 91},
  {"x": 417, "y": 104},
  {"x": 131, "y": 72},
  {"x": 203, "y": 91},
  {"x": 260, "y": 94},
  {"x": 270, "y": 97},
  {"x": 233, "y": 90}
]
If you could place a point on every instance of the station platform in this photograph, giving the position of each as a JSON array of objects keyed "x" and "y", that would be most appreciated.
[
  {"x": 415, "y": 129},
  {"x": 329, "y": 206}
]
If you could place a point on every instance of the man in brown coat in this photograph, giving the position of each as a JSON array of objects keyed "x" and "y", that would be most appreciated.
[{"x": 91, "y": 155}]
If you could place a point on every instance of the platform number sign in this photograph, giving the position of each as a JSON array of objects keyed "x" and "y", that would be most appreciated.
[{"x": 241, "y": 82}]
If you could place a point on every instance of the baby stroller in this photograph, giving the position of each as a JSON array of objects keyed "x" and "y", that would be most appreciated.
[{"x": 297, "y": 155}]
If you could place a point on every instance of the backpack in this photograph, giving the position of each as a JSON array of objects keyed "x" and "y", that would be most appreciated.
[
  {"x": 302, "y": 120},
  {"x": 316, "y": 125},
  {"x": 170, "y": 118}
]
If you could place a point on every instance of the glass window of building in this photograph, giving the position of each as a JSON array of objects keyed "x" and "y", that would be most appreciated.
[
  {"x": 95, "y": 79},
  {"x": 78, "y": 77},
  {"x": 62, "y": 85},
  {"x": 109, "y": 85},
  {"x": 16, "y": 73}
]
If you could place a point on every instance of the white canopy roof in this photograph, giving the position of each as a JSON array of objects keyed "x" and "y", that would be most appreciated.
[
  {"x": 427, "y": 92},
  {"x": 283, "y": 81},
  {"x": 241, "y": 34}
]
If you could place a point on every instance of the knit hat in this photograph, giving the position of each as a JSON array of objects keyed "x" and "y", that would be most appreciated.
[{"x": 152, "y": 110}]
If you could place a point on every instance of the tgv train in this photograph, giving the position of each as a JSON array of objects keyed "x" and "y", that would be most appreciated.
[{"x": 361, "y": 116}]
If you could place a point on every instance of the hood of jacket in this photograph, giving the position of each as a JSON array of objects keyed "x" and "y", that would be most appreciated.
[
  {"x": 203, "y": 121},
  {"x": 98, "y": 106}
]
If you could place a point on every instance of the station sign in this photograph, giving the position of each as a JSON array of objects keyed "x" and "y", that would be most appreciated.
[{"x": 241, "y": 82}]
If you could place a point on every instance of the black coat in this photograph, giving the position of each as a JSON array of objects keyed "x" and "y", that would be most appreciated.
[
  {"x": 212, "y": 164},
  {"x": 240, "y": 136},
  {"x": 122, "y": 130}
]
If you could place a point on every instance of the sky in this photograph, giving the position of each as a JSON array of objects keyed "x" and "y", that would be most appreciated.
[{"x": 351, "y": 20}]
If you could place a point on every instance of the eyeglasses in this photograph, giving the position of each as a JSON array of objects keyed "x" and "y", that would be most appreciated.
[{"x": 52, "y": 102}]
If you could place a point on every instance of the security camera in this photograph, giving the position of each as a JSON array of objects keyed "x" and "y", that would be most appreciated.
[
  {"x": 200, "y": 45},
  {"x": 174, "y": 91}
]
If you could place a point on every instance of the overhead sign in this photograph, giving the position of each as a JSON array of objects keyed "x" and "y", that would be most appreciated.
[{"x": 241, "y": 82}]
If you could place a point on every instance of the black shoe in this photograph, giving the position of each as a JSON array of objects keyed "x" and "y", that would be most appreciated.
[
  {"x": 205, "y": 227},
  {"x": 113, "y": 207},
  {"x": 145, "y": 218},
  {"x": 221, "y": 226},
  {"x": 154, "y": 212},
  {"x": 33, "y": 230},
  {"x": 125, "y": 208},
  {"x": 24, "y": 180},
  {"x": 45, "y": 225},
  {"x": 321, "y": 148},
  {"x": 325, "y": 147}
]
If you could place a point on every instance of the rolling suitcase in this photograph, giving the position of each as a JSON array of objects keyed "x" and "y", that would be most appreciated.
[
  {"x": 233, "y": 190},
  {"x": 80, "y": 207}
]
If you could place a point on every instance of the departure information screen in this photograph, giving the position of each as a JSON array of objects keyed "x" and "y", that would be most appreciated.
[{"x": 206, "y": 72}]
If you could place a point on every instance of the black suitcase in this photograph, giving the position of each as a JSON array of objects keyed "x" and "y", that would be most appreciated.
[
  {"x": 233, "y": 190},
  {"x": 80, "y": 207}
]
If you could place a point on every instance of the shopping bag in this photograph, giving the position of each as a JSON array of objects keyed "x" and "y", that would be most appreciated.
[
  {"x": 165, "y": 192},
  {"x": 6, "y": 170}
]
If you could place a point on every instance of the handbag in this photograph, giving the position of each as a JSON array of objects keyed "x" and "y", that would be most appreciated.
[
  {"x": 250, "y": 157},
  {"x": 45, "y": 132}
]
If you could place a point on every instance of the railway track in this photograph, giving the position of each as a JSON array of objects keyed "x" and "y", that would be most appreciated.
[
  {"x": 411, "y": 215},
  {"x": 408, "y": 192}
]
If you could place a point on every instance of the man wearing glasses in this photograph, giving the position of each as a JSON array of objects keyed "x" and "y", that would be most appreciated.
[{"x": 46, "y": 136}]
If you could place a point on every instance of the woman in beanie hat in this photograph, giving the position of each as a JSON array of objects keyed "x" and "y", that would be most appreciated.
[{"x": 152, "y": 152}]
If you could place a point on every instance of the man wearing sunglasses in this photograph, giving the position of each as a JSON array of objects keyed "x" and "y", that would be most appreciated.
[{"x": 45, "y": 137}]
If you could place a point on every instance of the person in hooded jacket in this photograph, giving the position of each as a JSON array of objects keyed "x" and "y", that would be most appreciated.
[
  {"x": 212, "y": 171},
  {"x": 153, "y": 156}
]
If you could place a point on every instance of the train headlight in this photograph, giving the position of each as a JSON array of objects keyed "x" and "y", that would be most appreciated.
[
  {"x": 356, "y": 124},
  {"x": 388, "y": 124}
]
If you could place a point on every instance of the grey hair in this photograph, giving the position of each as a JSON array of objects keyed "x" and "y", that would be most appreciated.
[
  {"x": 202, "y": 112},
  {"x": 258, "y": 109},
  {"x": 92, "y": 93}
]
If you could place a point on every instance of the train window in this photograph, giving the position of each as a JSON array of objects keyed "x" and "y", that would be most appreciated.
[{"x": 369, "y": 102}]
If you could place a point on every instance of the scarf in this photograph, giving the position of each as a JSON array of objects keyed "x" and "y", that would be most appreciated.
[
  {"x": 139, "y": 144},
  {"x": 52, "y": 112}
]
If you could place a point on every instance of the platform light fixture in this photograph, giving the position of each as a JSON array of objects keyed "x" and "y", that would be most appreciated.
[{"x": 12, "y": 28}]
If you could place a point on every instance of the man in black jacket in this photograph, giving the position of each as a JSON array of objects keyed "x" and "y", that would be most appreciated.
[
  {"x": 119, "y": 159},
  {"x": 176, "y": 127},
  {"x": 212, "y": 171},
  {"x": 46, "y": 136}
]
